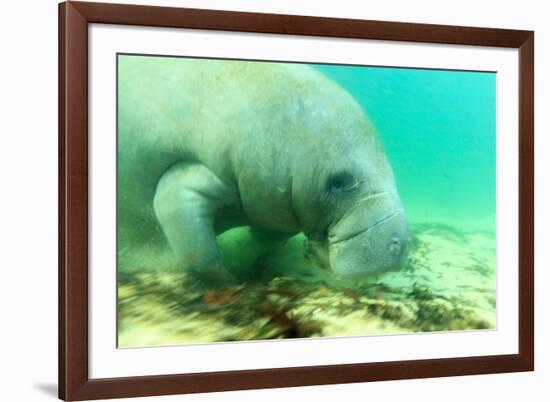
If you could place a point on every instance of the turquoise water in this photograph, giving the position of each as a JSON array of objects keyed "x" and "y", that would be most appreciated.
[{"x": 439, "y": 132}]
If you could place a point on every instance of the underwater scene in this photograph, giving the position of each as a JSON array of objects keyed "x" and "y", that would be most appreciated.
[{"x": 271, "y": 200}]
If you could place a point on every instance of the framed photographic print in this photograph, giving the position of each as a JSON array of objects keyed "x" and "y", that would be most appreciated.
[{"x": 260, "y": 200}]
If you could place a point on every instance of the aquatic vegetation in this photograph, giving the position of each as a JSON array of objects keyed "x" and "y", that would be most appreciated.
[{"x": 448, "y": 284}]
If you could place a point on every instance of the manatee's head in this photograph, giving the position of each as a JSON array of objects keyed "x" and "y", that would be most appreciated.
[
  {"x": 344, "y": 194},
  {"x": 372, "y": 237},
  {"x": 369, "y": 233},
  {"x": 364, "y": 228}
]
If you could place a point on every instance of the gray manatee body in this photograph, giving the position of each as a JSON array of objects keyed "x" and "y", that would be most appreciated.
[{"x": 207, "y": 145}]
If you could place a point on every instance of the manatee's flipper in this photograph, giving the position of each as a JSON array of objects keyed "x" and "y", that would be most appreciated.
[
  {"x": 186, "y": 200},
  {"x": 317, "y": 252}
]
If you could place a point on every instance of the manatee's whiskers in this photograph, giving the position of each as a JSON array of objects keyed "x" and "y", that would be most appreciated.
[
  {"x": 375, "y": 195},
  {"x": 370, "y": 228}
]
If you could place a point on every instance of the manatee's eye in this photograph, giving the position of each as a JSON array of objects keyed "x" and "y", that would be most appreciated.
[{"x": 341, "y": 181}]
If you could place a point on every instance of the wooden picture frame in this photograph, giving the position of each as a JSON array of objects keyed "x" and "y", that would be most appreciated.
[{"x": 74, "y": 381}]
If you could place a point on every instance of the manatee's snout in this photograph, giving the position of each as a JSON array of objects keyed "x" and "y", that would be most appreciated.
[{"x": 372, "y": 238}]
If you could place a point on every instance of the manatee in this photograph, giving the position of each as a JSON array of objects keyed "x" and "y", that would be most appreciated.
[{"x": 208, "y": 145}]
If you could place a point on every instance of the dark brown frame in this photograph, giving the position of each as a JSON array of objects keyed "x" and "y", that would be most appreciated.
[{"x": 74, "y": 17}]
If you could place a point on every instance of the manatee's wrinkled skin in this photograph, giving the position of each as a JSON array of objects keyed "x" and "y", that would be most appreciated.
[{"x": 205, "y": 146}]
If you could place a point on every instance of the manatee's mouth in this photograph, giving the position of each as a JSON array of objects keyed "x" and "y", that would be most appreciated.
[{"x": 367, "y": 229}]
